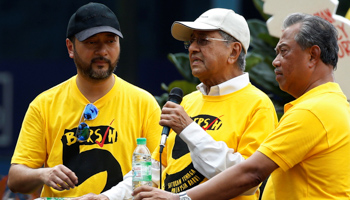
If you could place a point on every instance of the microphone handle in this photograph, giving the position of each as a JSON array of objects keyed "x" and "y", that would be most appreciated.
[{"x": 164, "y": 136}]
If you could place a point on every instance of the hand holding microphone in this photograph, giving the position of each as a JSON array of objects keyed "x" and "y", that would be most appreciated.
[{"x": 175, "y": 96}]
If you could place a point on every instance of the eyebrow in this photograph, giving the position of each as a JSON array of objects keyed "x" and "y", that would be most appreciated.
[
  {"x": 279, "y": 46},
  {"x": 199, "y": 34}
]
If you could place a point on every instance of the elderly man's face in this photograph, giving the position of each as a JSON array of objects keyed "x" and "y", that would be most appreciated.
[
  {"x": 292, "y": 63},
  {"x": 208, "y": 58}
]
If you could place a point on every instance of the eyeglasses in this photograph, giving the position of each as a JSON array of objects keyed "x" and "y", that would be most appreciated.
[
  {"x": 83, "y": 131},
  {"x": 201, "y": 41}
]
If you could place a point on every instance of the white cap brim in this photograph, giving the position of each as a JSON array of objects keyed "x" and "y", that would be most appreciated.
[{"x": 183, "y": 30}]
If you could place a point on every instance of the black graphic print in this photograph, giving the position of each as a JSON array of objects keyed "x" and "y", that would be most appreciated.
[
  {"x": 88, "y": 163},
  {"x": 189, "y": 177}
]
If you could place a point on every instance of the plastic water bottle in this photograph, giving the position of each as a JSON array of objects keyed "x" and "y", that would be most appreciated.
[{"x": 141, "y": 165}]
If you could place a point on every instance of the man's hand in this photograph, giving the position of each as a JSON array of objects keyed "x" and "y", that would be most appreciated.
[
  {"x": 92, "y": 196},
  {"x": 59, "y": 177},
  {"x": 175, "y": 117},
  {"x": 147, "y": 192}
]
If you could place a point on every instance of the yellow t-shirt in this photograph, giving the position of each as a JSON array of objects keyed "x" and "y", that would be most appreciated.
[
  {"x": 241, "y": 119},
  {"x": 311, "y": 146},
  {"x": 47, "y": 137}
]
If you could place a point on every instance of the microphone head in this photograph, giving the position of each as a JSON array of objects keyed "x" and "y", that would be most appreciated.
[{"x": 176, "y": 95}]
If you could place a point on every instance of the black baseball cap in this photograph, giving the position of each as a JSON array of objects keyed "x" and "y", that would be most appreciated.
[{"x": 91, "y": 19}]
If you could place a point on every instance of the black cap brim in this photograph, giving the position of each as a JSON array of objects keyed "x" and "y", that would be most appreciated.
[{"x": 83, "y": 35}]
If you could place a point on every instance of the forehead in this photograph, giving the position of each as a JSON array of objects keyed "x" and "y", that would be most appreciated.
[
  {"x": 288, "y": 35},
  {"x": 204, "y": 33},
  {"x": 103, "y": 34}
]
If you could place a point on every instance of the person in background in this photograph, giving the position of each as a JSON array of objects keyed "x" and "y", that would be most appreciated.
[
  {"x": 308, "y": 153},
  {"x": 224, "y": 121},
  {"x": 78, "y": 137}
]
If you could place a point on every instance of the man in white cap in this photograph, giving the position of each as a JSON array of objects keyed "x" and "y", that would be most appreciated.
[
  {"x": 68, "y": 153},
  {"x": 222, "y": 123},
  {"x": 307, "y": 155}
]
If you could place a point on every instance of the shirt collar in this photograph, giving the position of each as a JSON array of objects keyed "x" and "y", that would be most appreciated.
[
  {"x": 323, "y": 88},
  {"x": 226, "y": 87}
]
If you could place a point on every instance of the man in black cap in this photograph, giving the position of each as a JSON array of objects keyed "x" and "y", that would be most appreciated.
[{"x": 78, "y": 137}]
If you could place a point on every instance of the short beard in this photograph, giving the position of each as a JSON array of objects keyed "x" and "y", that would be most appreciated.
[{"x": 87, "y": 70}]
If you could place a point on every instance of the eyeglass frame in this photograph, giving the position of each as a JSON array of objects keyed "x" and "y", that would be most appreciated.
[{"x": 200, "y": 41}]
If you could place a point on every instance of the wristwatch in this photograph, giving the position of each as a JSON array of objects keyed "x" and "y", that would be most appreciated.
[{"x": 183, "y": 196}]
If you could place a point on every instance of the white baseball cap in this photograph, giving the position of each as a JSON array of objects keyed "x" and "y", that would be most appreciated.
[{"x": 214, "y": 19}]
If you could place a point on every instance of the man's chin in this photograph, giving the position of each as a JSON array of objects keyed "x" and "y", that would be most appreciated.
[{"x": 101, "y": 74}]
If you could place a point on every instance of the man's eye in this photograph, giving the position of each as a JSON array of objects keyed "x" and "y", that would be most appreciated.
[
  {"x": 283, "y": 51},
  {"x": 202, "y": 41},
  {"x": 90, "y": 42},
  {"x": 192, "y": 40}
]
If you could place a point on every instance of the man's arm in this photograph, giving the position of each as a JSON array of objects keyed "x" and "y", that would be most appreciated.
[
  {"x": 226, "y": 185},
  {"x": 123, "y": 189},
  {"x": 212, "y": 157},
  {"x": 24, "y": 179},
  {"x": 209, "y": 157},
  {"x": 235, "y": 180}
]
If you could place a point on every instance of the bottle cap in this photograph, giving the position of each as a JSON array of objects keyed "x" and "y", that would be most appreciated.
[{"x": 141, "y": 140}]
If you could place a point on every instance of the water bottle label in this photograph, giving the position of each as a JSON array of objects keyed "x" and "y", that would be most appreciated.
[{"x": 142, "y": 171}]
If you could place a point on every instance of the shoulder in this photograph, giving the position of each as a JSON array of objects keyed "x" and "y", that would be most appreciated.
[
  {"x": 53, "y": 92},
  {"x": 252, "y": 95},
  {"x": 134, "y": 92}
]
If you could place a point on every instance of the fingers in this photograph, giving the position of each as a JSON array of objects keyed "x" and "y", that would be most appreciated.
[
  {"x": 175, "y": 117},
  {"x": 142, "y": 192},
  {"x": 147, "y": 192},
  {"x": 60, "y": 178},
  {"x": 171, "y": 111}
]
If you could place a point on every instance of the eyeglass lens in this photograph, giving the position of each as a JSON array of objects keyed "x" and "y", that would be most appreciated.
[
  {"x": 83, "y": 131},
  {"x": 201, "y": 41}
]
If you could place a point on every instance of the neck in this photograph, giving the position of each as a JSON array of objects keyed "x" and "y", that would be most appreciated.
[
  {"x": 322, "y": 75},
  {"x": 94, "y": 89},
  {"x": 218, "y": 80}
]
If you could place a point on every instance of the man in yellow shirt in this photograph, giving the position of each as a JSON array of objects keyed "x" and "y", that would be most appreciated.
[
  {"x": 308, "y": 153},
  {"x": 222, "y": 123},
  {"x": 84, "y": 130}
]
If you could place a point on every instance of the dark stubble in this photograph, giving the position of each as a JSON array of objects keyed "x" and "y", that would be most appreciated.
[{"x": 86, "y": 68}]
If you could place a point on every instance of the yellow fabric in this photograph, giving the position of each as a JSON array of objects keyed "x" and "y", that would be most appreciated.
[
  {"x": 348, "y": 14},
  {"x": 311, "y": 146},
  {"x": 243, "y": 120},
  {"x": 47, "y": 135}
]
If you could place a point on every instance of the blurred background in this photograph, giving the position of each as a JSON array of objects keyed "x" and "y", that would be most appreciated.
[{"x": 34, "y": 58}]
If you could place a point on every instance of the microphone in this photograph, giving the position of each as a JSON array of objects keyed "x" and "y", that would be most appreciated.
[{"x": 175, "y": 96}]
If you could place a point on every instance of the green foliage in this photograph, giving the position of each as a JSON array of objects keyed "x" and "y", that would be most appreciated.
[
  {"x": 188, "y": 85},
  {"x": 259, "y": 63}
]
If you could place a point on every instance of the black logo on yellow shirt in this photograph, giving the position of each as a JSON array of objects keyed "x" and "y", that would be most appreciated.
[
  {"x": 183, "y": 180},
  {"x": 189, "y": 177},
  {"x": 88, "y": 163},
  {"x": 208, "y": 122},
  {"x": 96, "y": 134}
]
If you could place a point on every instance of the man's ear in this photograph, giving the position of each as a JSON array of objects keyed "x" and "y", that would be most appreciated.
[
  {"x": 315, "y": 55},
  {"x": 70, "y": 48},
  {"x": 236, "y": 49}
]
